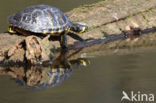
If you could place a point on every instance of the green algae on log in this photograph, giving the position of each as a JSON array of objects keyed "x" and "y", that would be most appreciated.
[{"x": 104, "y": 18}]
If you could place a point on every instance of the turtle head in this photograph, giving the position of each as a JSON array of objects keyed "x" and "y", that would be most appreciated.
[{"x": 79, "y": 27}]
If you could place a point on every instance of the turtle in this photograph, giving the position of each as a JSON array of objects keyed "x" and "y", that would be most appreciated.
[{"x": 45, "y": 20}]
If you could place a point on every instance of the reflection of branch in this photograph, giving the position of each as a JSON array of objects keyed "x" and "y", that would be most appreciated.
[{"x": 77, "y": 51}]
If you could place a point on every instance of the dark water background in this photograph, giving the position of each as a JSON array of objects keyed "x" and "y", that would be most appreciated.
[{"x": 101, "y": 82}]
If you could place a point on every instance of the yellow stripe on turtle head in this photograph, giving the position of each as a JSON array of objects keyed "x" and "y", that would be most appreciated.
[{"x": 83, "y": 29}]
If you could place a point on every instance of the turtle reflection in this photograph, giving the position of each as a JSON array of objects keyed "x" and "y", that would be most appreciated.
[
  {"x": 37, "y": 78},
  {"x": 42, "y": 77}
]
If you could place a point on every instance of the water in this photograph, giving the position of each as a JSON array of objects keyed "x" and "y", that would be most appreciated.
[
  {"x": 9, "y": 7},
  {"x": 100, "y": 82}
]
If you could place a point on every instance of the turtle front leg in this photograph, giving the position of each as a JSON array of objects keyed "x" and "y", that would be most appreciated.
[{"x": 63, "y": 41}]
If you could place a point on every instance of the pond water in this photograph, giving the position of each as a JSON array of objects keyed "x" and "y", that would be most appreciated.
[{"x": 100, "y": 82}]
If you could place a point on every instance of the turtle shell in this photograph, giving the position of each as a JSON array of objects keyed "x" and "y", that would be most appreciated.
[{"x": 41, "y": 19}]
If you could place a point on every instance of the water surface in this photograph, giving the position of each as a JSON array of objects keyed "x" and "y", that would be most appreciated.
[{"x": 100, "y": 82}]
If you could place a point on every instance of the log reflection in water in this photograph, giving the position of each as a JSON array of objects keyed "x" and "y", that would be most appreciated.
[{"x": 42, "y": 77}]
